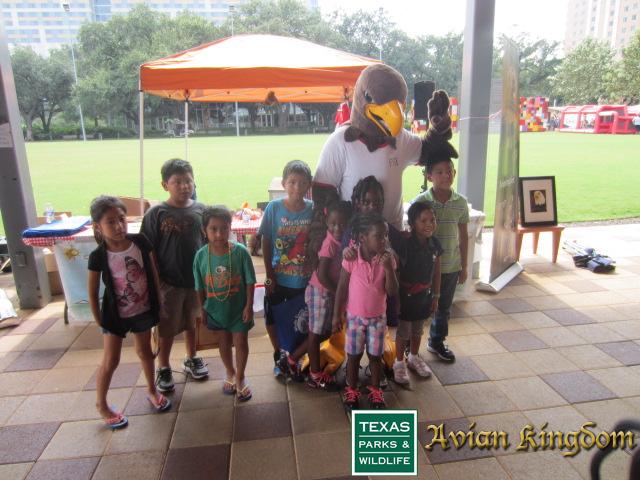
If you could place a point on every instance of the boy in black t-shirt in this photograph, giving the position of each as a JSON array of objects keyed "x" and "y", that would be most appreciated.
[{"x": 175, "y": 229}]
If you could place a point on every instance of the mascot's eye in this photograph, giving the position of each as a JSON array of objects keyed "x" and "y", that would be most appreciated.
[{"x": 368, "y": 97}]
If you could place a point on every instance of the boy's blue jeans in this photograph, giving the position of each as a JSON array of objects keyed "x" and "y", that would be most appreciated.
[{"x": 440, "y": 324}]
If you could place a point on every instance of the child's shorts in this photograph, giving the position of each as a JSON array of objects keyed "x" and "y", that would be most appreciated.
[
  {"x": 320, "y": 303},
  {"x": 369, "y": 330},
  {"x": 278, "y": 296},
  {"x": 409, "y": 328},
  {"x": 140, "y": 323},
  {"x": 415, "y": 306},
  {"x": 231, "y": 325},
  {"x": 179, "y": 310}
]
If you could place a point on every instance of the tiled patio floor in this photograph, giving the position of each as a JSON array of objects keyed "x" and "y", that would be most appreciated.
[{"x": 559, "y": 345}]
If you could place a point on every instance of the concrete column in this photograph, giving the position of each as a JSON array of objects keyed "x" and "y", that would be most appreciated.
[
  {"x": 474, "y": 100},
  {"x": 16, "y": 195}
]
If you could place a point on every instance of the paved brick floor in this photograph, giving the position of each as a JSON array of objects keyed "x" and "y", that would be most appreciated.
[{"x": 558, "y": 346}]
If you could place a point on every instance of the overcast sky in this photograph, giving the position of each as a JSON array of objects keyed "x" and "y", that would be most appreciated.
[{"x": 540, "y": 19}]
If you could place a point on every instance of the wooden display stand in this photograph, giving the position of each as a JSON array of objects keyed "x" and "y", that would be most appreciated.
[
  {"x": 205, "y": 338},
  {"x": 556, "y": 231}
]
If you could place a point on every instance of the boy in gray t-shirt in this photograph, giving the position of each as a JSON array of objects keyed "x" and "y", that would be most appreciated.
[{"x": 175, "y": 230}]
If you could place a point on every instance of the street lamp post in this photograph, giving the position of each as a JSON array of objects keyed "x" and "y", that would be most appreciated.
[
  {"x": 380, "y": 14},
  {"x": 66, "y": 6},
  {"x": 232, "y": 10}
]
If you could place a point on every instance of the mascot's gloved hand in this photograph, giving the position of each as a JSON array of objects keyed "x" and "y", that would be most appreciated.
[
  {"x": 439, "y": 119},
  {"x": 435, "y": 144}
]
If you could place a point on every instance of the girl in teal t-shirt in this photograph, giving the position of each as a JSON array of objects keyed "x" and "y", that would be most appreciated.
[{"x": 225, "y": 280}]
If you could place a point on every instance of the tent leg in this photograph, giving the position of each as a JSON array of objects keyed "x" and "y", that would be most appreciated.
[
  {"x": 186, "y": 130},
  {"x": 141, "y": 129},
  {"x": 237, "y": 121}
]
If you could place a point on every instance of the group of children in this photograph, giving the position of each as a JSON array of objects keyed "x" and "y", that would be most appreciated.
[{"x": 343, "y": 261}]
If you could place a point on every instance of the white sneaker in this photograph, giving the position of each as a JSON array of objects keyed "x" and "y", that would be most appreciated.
[
  {"x": 418, "y": 365},
  {"x": 195, "y": 367},
  {"x": 400, "y": 374}
]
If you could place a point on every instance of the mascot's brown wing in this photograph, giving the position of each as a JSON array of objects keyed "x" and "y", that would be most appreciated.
[{"x": 436, "y": 143}]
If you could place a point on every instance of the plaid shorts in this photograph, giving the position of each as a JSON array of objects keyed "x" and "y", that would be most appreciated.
[
  {"x": 371, "y": 330},
  {"x": 320, "y": 303}
]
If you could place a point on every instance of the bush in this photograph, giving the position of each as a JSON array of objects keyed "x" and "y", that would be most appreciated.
[{"x": 110, "y": 132}]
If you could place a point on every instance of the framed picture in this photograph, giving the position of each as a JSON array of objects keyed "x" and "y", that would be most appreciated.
[{"x": 537, "y": 201}]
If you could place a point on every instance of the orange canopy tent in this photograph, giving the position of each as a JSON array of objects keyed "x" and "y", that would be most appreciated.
[
  {"x": 246, "y": 68},
  {"x": 249, "y": 68}
]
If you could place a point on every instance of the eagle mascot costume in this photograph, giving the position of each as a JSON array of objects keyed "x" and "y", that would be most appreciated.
[{"x": 374, "y": 142}]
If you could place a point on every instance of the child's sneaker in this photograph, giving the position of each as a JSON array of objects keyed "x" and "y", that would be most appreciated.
[
  {"x": 290, "y": 368},
  {"x": 351, "y": 398},
  {"x": 400, "y": 374},
  {"x": 384, "y": 383},
  {"x": 376, "y": 398},
  {"x": 195, "y": 367},
  {"x": 164, "y": 379},
  {"x": 417, "y": 364},
  {"x": 321, "y": 381},
  {"x": 440, "y": 349},
  {"x": 277, "y": 371}
]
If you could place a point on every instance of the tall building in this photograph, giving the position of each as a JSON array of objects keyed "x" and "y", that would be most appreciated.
[
  {"x": 45, "y": 24},
  {"x": 612, "y": 21}
]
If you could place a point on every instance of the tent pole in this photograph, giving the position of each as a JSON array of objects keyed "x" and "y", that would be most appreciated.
[
  {"x": 141, "y": 128},
  {"x": 237, "y": 121},
  {"x": 186, "y": 129}
]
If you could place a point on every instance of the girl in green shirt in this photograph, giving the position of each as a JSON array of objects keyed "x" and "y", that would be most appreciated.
[{"x": 224, "y": 281}]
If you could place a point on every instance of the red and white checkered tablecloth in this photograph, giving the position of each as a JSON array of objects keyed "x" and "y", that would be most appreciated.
[
  {"x": 240, "y": 228},
  {"x": 50, "y": 241},
  {"x": 83, "y": 235}
]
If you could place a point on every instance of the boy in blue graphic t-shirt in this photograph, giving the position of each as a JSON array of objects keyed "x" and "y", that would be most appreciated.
[{"x": 284, "y": 230}]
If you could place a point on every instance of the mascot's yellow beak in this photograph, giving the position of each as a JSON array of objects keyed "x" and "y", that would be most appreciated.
[{"x": 388, "y": 117}]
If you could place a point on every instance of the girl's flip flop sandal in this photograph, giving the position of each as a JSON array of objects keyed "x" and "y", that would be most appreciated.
[
  {"x": 244, "y": 393},
  {"x": 229, "y": 387},
  {"x": 118, "y": 420},
  {"x": 160, "y": 403}
]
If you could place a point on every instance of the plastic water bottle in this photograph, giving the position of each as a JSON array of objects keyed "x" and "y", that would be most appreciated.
[
  {"x": 246, "y": 217},
  {"x": 49, "y": 213}
]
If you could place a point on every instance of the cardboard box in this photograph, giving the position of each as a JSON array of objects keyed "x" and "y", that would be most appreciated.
[{"x": 52, "y": 269}]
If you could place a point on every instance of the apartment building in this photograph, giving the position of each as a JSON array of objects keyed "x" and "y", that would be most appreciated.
[
  {"x": 47, "y": 24},
  {"x": 612, "y": 21}
]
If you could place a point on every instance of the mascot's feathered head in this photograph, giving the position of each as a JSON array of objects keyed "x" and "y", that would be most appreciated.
[
  {"x": 377, "y": 115},
  {"x": 378, "y": 102}
]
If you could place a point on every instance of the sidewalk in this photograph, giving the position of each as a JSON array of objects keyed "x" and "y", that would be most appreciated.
[{"x": 558, "y": 345}]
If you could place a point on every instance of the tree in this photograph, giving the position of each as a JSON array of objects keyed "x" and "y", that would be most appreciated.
[
  {"x": 112, "y": 52},
  {"x": 585, "y": 75},
  {"x": 282, "y": 17},
  {"x": 38, "y": 81},
  {"x": 538, "y": 65},
  {"x": 443, "y": 61},
  {"x": 59, "y": 86},
  {"x": 625, "y": 84},
  {"x": 374, "y": 35}
]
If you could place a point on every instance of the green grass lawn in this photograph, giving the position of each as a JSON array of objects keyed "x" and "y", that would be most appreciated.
[{"x": 597, "y": 176}]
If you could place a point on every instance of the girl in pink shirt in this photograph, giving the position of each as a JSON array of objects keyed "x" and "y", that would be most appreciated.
[
  {"x": 320, "y": 292},
  {"x": 368, "y": 279}
]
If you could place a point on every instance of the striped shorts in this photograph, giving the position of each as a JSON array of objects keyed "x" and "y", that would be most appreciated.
[
  {"x": 320, "y": 303},
  {"x": 370, "y": 330}
]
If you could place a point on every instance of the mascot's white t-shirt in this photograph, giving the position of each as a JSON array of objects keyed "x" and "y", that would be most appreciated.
[{"x": 342, "y": 164}]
